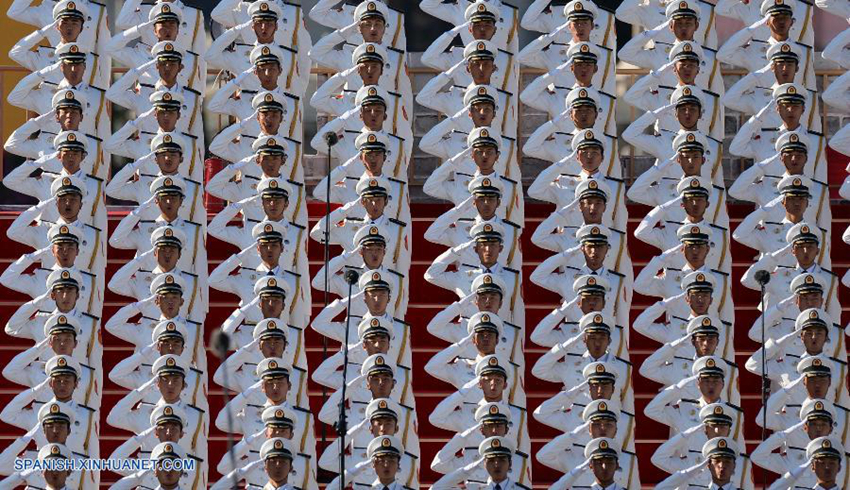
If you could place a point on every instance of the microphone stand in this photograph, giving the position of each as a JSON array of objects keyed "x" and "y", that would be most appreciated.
[
  {"x": 331, "y": 139},
  {"x": 763, "y": 277},
  {"x": 351, "y": 277}
]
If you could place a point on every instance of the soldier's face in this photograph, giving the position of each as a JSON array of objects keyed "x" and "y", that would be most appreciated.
[
  {"x": 684, "y": 28},
  {"x": 791, "y": 114},
  {"x": 488, "y": 252},
  {"x": 167, "y": 256},
  {"x": 826, "y": 469},
  {"x": 814, "y": 339},
  {"x": 818, "y": 428},
  {"x": 809, "y": 300},
  {"x": 721, "y": 468},
  {"x": 268, "y": 74},
  {"x": 65, "y": 253},
  {"x": 63, "y": 344},
  {"x": 374, "y": 205},
  {"x": 271, "y": 305},
  {"x": 373, "y": 161},
  {"x": 383, "y": 426},
  {"x": 686, "y": 71},
  {"x": 597, "y": 343},
  {"x": 376, "y": 344},
  {"x": 488, "y": 302},
  {"x": 590, "y": 158},
  {"x": 591, "y": 302},
  {"x": 482, "y": 114},
  {"x": 265, "y": 29},
  {"x": 580, "y": 29},
  {"x": 272, "y": 346},
  {"x": 688, "y": 115},
  {"x": 485, "y": 157},
  {"x": 69, "y": 206},
  {"x": 170, "y": 386},
  {"x": 481, "y": 70},
  {"x": 584, "y": 73},
  {"x": 71, "y": 159},
  {"x": 704, "y": 345},
  {"x": 270, "y": 121},
  {"x": 780, "y": 25},
  {"x": 65, "y": 298},
  {"x": 166, "y": 30},
  {"x": 284, "y": 432},
  {"x": 604, "y": 469},
  {"x": 493, "y": 385},
  {"x": 167, "y": 120},
  {"x": 372, "y": 29},
  {"x": 373, "y": 254},
  {"x": 56, "y": 479},
  {"x": 170, "y": 346},
  {"x": 386, "y": 467},
  {"x": 56, "y": 432},
  {"x": 795, "y": 205},
  {"x": 373, "y": 116},
  {"x": 699, "y": 301},
  {"x": 376, "y": 300},
  {"x": 278, "y": 469},
  {"x": 784, "y": 71},
  {"x": 276, "y": 389},
  {"x": 69, "y": 118},
  {"x": 380, "y": 384},
  {"x": 69, "y": 28},
  {"x": 485, "y": 341},
  {"x": 370, "y": 72},
  {"x": 711, "y": 387},
  {"x": 583, "y": 116},
  {"x": 592, "y": 209},
  {"x": 695, "y": 206},
  {"x": 274, "y": 207},
  {"x": 806, "y": 253},
  {"x": 498, "y": 467},
  {"x": 717, "y": 430},
  {"x": 603, "y": 428},
  {"x": 487, "y": 205},
  {"x": 168, "y": 432},
  {"x": 601, "y": 390},
  {"x": 270, "y": 251},
  {"x": 594, "y": 254},
  {"x": 169, "y": 205},
  {"x": 270, "y": 164},
  {"x": 63, "y": 386},
  {"x": 482, "y": 30},
  {"x": 169, "y": 161},
  {"x": 169, "y": 304},
  {"x": 490, "y": 430},
  {"x": 695, "y": 253},
  {"x": 73, "y": 72},
  {"x": 794, "y": 161},
  {"x": 168, "y": 70}
]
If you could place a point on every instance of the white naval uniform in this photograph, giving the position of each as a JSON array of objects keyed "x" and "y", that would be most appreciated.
[
  {"x": 652, "y": 15},
  {"x": 32, "y": 55},
  {"x": 781, "y": 276},
  {"x": 344, "y": 179},
  {"x": 464, "y": 452},
  {"x": 246, "y": 418},
  {"x": 765, "y": 228},
  {"x": 134, "y": 280},
  {"x": 292, "y": 29},
  {"x": 550, "y": 50},
  {"x": 139, "y": 334},
  {"x": 86, "y": 419},
  {"x": 238, "y": 61},
  {"x": 137, "y": 420},
  {"x": 441, "y": 56},
  {"x": 28, "y": 323},
  {"x": 460, "y": 282},
  {"x": 35, "y": 93},
  {"x": 450, "y": 102},
  {"x": 27, "y": 369},
  {"x": 95, "y": 30},
  {"x": 236, "y": 96},
  {"x": 755, "y": 90},
  {"x": 548, "y": 93},
  {"x": 337, "y": 94},
  {"x": 91, "y": 291},
  {"x": 134, "y": 139},
  {"x": 759, "y": 184},
  {"x": 452, "y": 229},
  {"x": 134, "y": 232},
  {"x": 657, "y": 60},
  {"x": 191, "y": 35},
  {"x": 357, "y": 397},
  {"x": 194, "y": 72},
  {"x": 698, "y": 476},
  {"x": 553, "y": 276},
  {"x": 507, "y": 24},
  {"x": 135, "y": 371},
  {"x": 359, "y": 436},
  {"x": 659, "y": 230},
  {"x": 748, "y": 47},
  {"x": 132, "y": 183},
  {"x": 92, "y": 251},
  {"x": 135, "y": 96},
  {"x": 540, "y": 18},
  {"x": 680, "y": 414},
  {"x": 671, "y": 263},
  {"x": 450, "y": 181},
  {"x": 348, "y": 127},
  {"x": 247, "y": 455},
  {"x": 294, "y": 240}
]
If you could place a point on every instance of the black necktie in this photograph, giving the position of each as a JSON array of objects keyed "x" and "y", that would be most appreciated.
[
  {"x": 497, "y": 487},
  {"x": 269, "y": 273},
  {"x": 385, "y": 488}
]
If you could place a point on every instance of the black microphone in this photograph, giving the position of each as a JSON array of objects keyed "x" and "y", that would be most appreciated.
[
  {"x": 331, "y": 138},
  {"x": 351, "y": 277},
  {"x": 762, "y": 277},
  {"x": 220, "y": 343}
]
